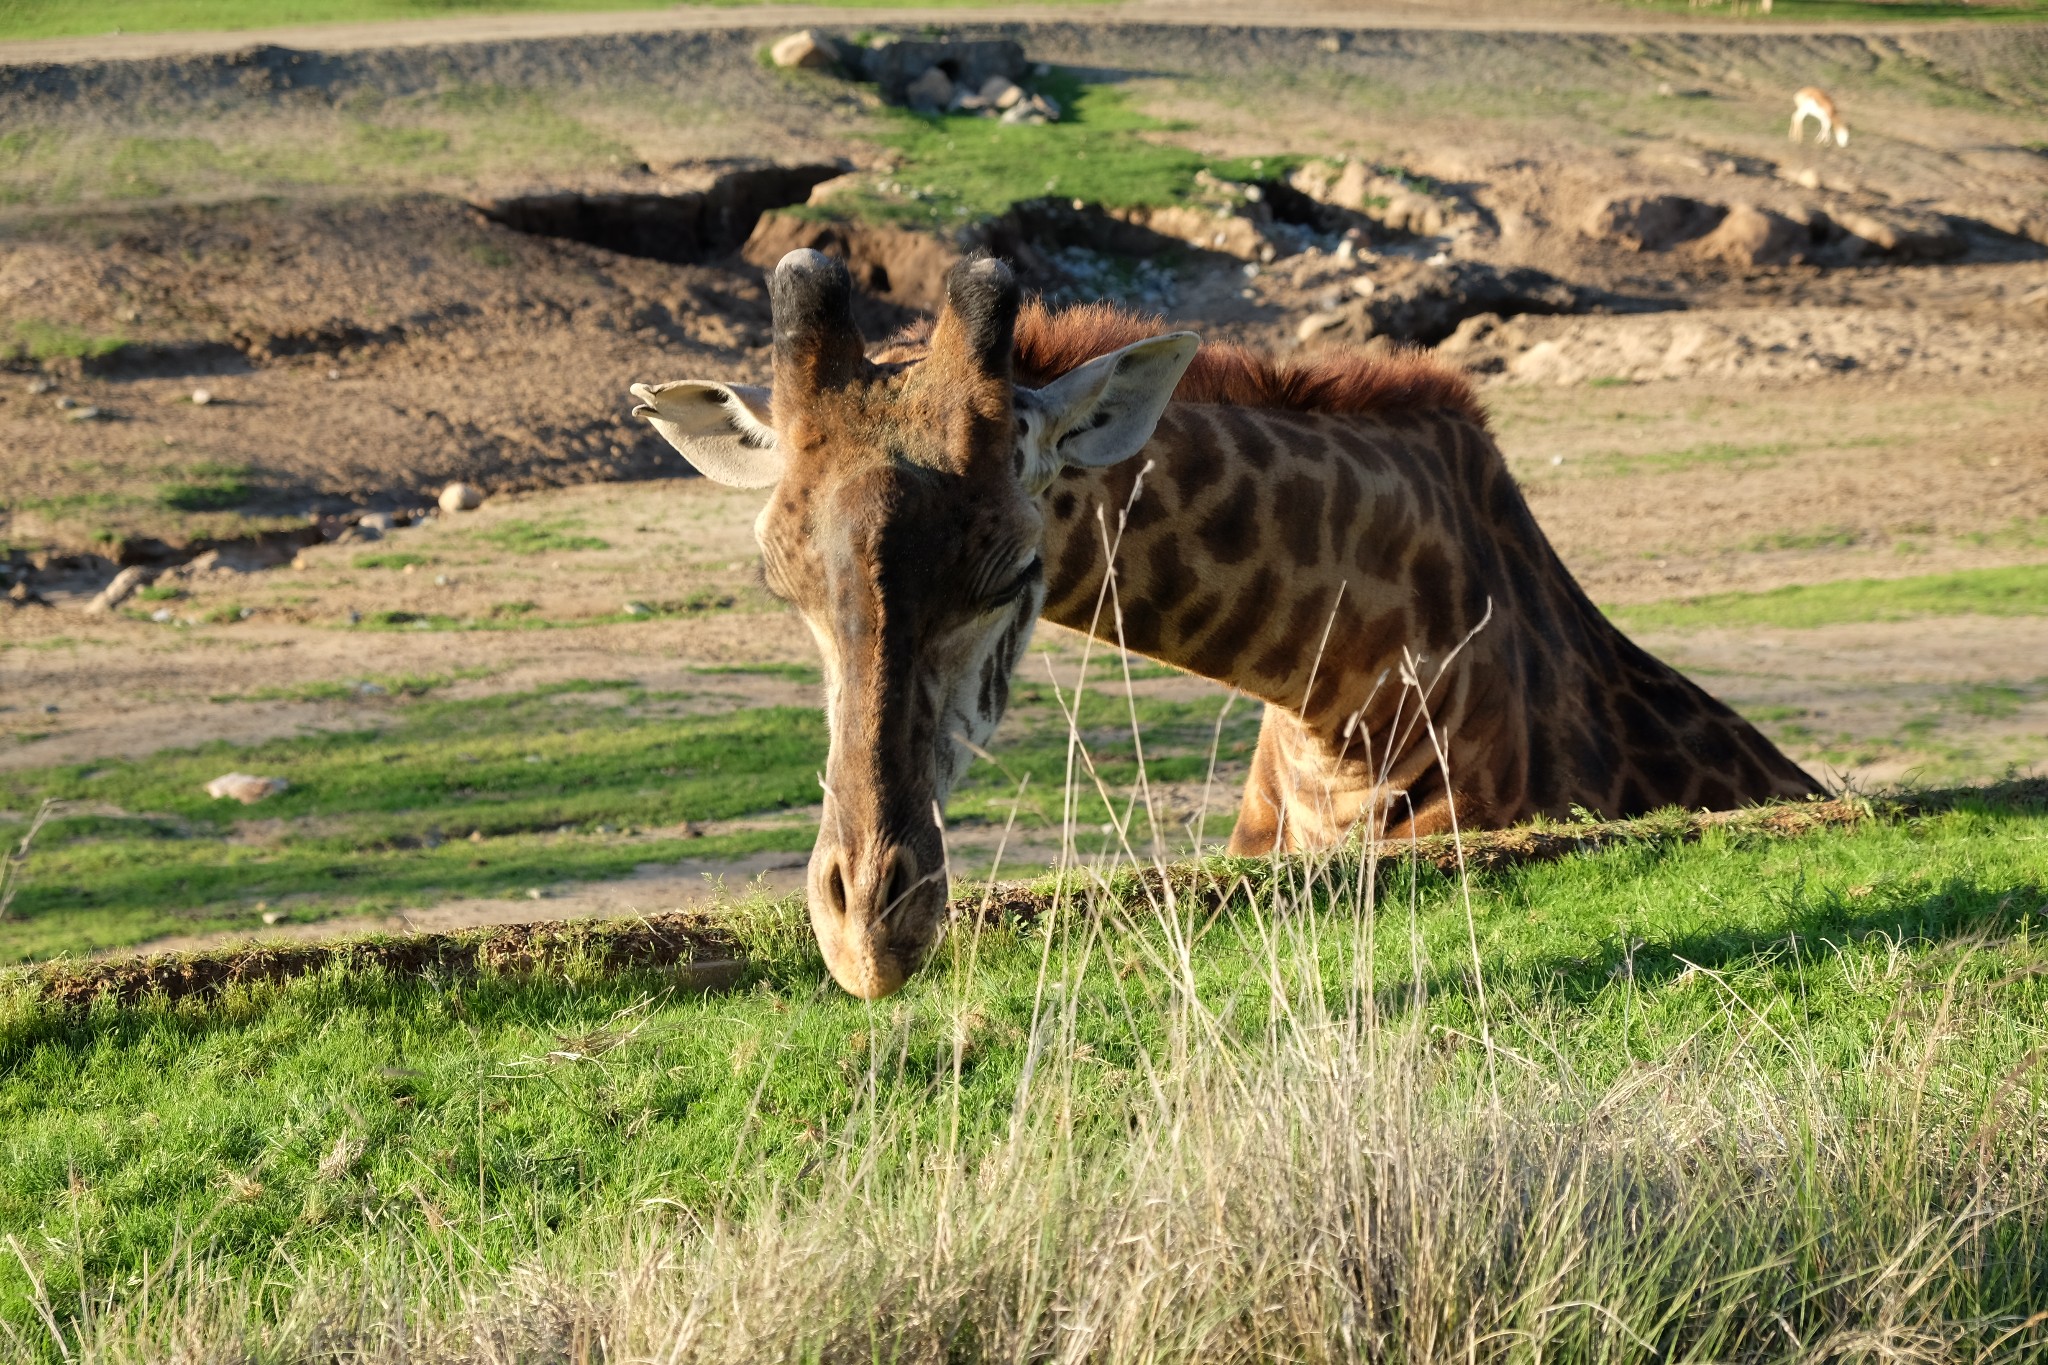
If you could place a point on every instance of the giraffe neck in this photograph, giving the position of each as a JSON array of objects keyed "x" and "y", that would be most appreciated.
[{"x": 1308, "y": 559}]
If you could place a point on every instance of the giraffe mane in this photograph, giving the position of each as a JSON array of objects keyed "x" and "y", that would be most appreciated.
[{"x": 1051, "y": 342}]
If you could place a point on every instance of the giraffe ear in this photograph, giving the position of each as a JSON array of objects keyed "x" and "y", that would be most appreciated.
[
  {"x": 1103, "y": 412},
  {"x": 722, "y": 429}
]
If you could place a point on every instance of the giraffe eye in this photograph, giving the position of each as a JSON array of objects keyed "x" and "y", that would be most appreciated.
[{"x": 1033, "y": 571}]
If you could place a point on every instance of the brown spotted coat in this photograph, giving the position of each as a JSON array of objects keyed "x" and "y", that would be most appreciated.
[{"x": 1302, "y": 533}]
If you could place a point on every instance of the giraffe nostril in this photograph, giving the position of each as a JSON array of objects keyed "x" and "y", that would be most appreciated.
[
  {"x": 835, "y": 888},
  {"x": 902, "y": 881}
]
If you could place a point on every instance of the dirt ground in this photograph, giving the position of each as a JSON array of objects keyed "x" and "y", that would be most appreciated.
[{"x": 1710, "y": 426}]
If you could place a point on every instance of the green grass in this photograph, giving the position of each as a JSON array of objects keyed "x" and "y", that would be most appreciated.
[
  {"x": 453, "y": 136},
  {"x": 1995, "y": 701},
  {"x": 359, "y": 689},
  {"x": 954, "y": 167},
  {"x": 377, "y": 818},
  {"x": 2019, "y": 591},
  {"x": 60, "y": 18},
  {"x": 538, "y": 537},
  {"x": 37, "y": 339},
  {"x": 803, "y": 673},
  {"x": 2021, "y": 533},
  {"x": 1826, "y": 538},
  {"x": 522, "y": 615},
  {"x": 208, "y": 487},
  {"x": 1851, "y": 11},
  {"x": 391, "y": 559},
  {"x": 1710, "y": 454},
  {"x": 305, "y": 1135}
]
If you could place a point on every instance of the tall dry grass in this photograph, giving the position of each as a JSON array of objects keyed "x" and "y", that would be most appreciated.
[{"x": 1325, "y": 1189}]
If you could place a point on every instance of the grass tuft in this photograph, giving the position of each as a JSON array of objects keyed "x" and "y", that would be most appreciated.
[
  {"x": 536, "y": 537},
  {"x": 38, "y": 340},
  {"x": 2021, "y": 591}
]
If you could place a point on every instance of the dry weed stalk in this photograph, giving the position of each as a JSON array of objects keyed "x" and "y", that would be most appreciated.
[{"x": 12, "y": 875}]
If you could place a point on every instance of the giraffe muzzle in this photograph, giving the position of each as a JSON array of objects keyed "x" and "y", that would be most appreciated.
[{"x": 876, "y": 907}]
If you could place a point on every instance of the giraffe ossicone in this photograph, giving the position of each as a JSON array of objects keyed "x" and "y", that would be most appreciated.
[{"x": 1304, "y": 532}]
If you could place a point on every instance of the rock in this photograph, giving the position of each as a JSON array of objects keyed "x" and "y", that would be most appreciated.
[
  {"x": 804, "y": 50},
  {"x": 1000, "y": 92},
  {"x": 1023, "y": 112},
  {"x": 207, "y": 563},
  {"x": 1416, "y": 214},
  {"x": 1315, "y": 324},
  {"x": 894, "y": 65},
  {"x": 930, "y": 92},
  {"x": 1237, "y": 234},
  {"x": 461, "y": 497},
  {"x": 116, "y": 592},
  {"x": 273, "y": 917},
  {"x": 201, "y": 397},
  {"x": 1340, "y": 183},
  {"x": 41, "y": 384},
  {"x": 67, "y": 403},
  {"x": 1750, "y": 236},
  {"x": 897, "y": 265},
  {"x": 245, "y": 787},
  {"x": 1808, "y": 178},
  {"x": 1651, "y": 222},
  {"x": 1354, "y": 195},
  {"x": 1902, "y": 234},
  {"x": 639, "y": 609},
  {"x": 85, "y": 414},
  {"x": 825, "y": 191},
  {"x": 380, "y": 522},
  {"x": 163, "y": 616},
  {"x": 1427, "y": 304}
]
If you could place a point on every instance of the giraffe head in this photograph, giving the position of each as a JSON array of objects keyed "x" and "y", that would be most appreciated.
[{"x": 902, "y": 524}]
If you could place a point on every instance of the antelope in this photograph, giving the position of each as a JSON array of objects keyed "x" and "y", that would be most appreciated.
[{"x": 1813, "y": 103}]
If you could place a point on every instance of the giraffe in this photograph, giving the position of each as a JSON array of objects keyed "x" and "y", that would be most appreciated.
[
  {"x": 1298, "y": 528},
  {"x": 1812, "y": 102}
]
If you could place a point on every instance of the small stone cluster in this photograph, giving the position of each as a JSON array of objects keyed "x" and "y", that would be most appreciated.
[{"x": 937, "y": 77}]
